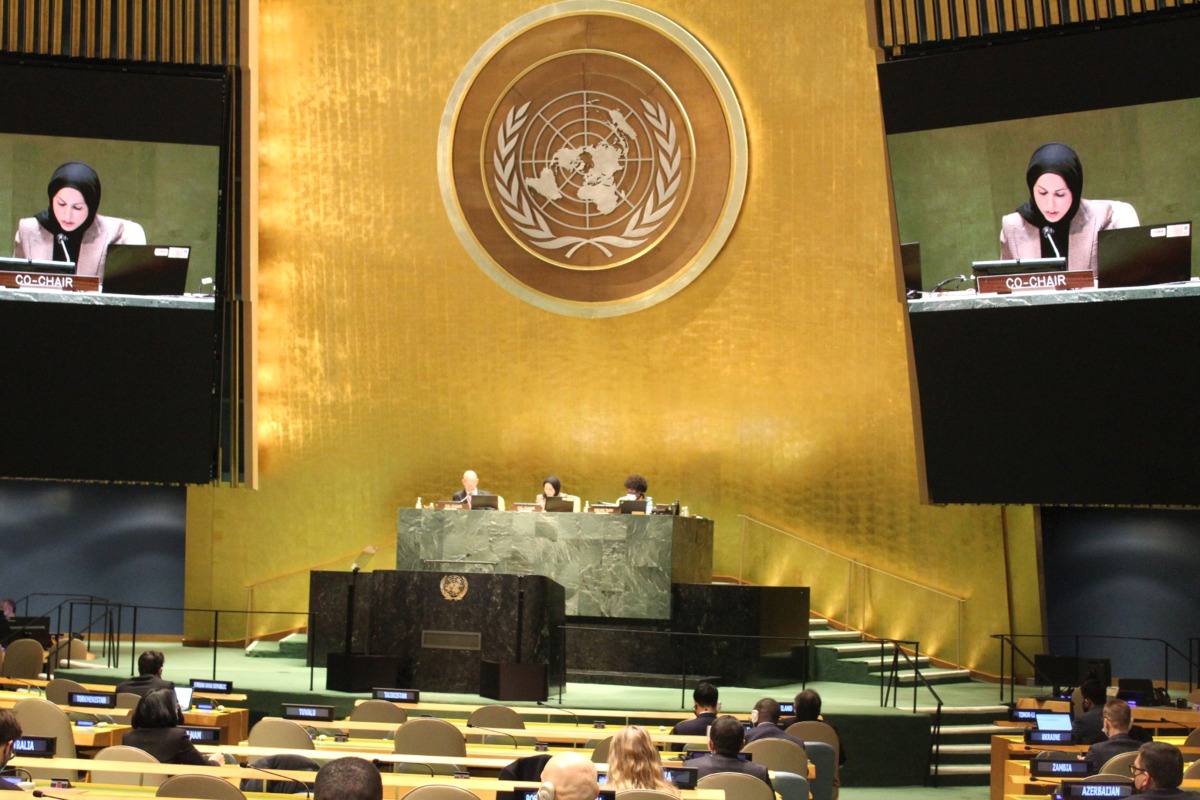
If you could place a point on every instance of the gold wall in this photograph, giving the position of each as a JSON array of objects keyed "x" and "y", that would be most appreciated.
[{"x": 775, "y": 386}]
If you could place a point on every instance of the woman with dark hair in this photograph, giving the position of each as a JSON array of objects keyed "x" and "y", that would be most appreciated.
[
  {"x": 1057, "y": 211},
  {"x": 155, "y": 729},
  {"x": 634, "y": 762},
  {"x": 552, "y": 487},
  {"x": 70, "y": 229}
]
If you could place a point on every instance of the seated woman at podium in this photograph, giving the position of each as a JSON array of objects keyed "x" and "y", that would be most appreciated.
[
  {"x": 552, "y": 487},
  {"x": 70, "y": 229},
  {"x": 1057, "y": 221}
]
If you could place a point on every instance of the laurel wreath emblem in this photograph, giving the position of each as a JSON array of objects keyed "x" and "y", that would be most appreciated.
[{"x": 642, "y": 223}]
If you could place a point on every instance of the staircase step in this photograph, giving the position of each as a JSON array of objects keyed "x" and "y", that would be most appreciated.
[
  {"x": 876, "y": 663},
  {"x": 975, "y": 730},
  {"x": 822, "y": 636},
  {"x": 849, "y": 649},
  {"x": 909, "y": 677},
  {"x": 966, "y": 750},
  {"x": 816, "y": 623}
]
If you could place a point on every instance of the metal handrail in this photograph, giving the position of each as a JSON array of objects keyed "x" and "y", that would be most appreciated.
[
  {"x": 293, "y": 573},
  {"x": 893, "y": 682},
  {"x": 1192, "y": 661},
  {"x": 867, "y": 570}
]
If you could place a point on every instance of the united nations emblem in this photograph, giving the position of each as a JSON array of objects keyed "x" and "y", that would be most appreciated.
[
  {"x": 590, "y": 177},
  {"x": 454, "y": 587},
  {"x": 577, "y": 176}
]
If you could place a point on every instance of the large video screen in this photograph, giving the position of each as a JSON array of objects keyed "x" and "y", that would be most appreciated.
[
  {"x": 105, "y": 386},
  {"x": 961, "y": 128},
  {"x": 1050, "y": 401}
]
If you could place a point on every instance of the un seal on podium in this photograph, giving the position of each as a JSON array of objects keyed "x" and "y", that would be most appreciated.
[
  {"x": 592, "y": 158},
  {"x": 454, "y": 587}
]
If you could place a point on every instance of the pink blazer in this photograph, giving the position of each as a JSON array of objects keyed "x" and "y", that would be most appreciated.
[
  {"x": 1019, "y": 239},
  {"x": 34, "y": 241}
]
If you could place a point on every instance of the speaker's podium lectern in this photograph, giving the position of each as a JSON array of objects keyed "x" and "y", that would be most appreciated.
[{"x": 495, "y": 635}]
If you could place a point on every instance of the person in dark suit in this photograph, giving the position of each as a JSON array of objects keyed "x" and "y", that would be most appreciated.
[
  {"x": 725, "y": 740},
  {"x": 1117, "y": 721},
  {"x": 1157, "y": 773},
  {"x": 150, "y": 667},
  {"x": 10, "y": 731},
  {"x": 1088, "y": 727},
  {"x": 765, "y": 721},
  {"x": 808, "y": 709},
  {"x": 348, "y": 778},
  {"x": 155, "y": 724},
  {"x": 470, "y": 482},
  {"x": 705, "y": 706}
]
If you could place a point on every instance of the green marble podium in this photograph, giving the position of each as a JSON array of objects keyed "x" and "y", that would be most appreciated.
[{"x": 610, "y": 565}]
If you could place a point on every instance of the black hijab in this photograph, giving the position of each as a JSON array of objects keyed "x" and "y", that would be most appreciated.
[
  {"x": 1060, "y": 160},
  {"x": 79, "y": 176}
]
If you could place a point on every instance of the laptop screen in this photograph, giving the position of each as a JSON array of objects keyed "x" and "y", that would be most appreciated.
[
  {"x": 1144, "y": 256},
  {"x": 184, "y": 695},
  {"x": 1053, "y": 721}
]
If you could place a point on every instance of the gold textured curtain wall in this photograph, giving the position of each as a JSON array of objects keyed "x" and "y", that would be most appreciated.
[{"x": 775, "y": 386}]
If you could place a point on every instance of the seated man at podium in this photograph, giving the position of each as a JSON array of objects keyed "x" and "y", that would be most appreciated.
[
  {"x": 470, "y": 482},
  {"x": 70, "y": 229},
  {"x": 1057, "y": 222}
]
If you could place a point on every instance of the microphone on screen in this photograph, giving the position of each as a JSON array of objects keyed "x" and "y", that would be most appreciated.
[
  {"x": 493, "y": 730},
  {"x": 560, "y": 708},
  {"x": 1048, "y": 232}
]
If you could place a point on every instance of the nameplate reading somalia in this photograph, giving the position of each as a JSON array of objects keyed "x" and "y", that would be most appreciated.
[{"x": 577, "y": 175}]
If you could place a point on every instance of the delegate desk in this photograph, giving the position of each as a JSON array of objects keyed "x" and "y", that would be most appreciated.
[
  {"x": 550, "y": 732},
  {"x": 395, "y": 785},
  {"x": 611, "y": 565},
  {"x": 1010, "y": 761}
]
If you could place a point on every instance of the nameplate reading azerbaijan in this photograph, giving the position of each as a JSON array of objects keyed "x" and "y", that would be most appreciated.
[
  {"x": 44, "y": 280},
  {"x": 1035, "y": 281}
]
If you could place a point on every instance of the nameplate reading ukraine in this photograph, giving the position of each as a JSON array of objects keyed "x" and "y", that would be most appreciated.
[{"x": 1035, "y": 281}]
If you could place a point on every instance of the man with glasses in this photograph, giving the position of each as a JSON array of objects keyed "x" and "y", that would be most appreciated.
[{"x": 1158, "y": 771}]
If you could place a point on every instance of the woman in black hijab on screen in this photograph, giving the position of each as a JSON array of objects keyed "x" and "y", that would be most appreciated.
[
  {"x": 1056, "y": 210},
  {"x": 69, "y": 229}
]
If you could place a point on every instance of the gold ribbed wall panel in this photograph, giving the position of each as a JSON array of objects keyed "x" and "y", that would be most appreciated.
[
  {"x": 774, "y": 386},
  {"x": 171, "y": 31}
]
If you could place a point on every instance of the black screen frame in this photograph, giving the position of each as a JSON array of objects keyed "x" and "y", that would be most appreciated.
[{"x": 155, "y": 411}]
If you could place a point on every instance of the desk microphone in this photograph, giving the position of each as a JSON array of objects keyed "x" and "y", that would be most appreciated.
[
  {"x": 40, "y": 793},
  {"x": 1048, "y": 233},
  {"x": 959, "y": 278},
  {"x": 307, "y": 788},
  {"x": 418, "y": 764},
  {"x": 560, "y": 708},
  {"x": 62, "y": 242},
  {"x": 493, "y": 730}
]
